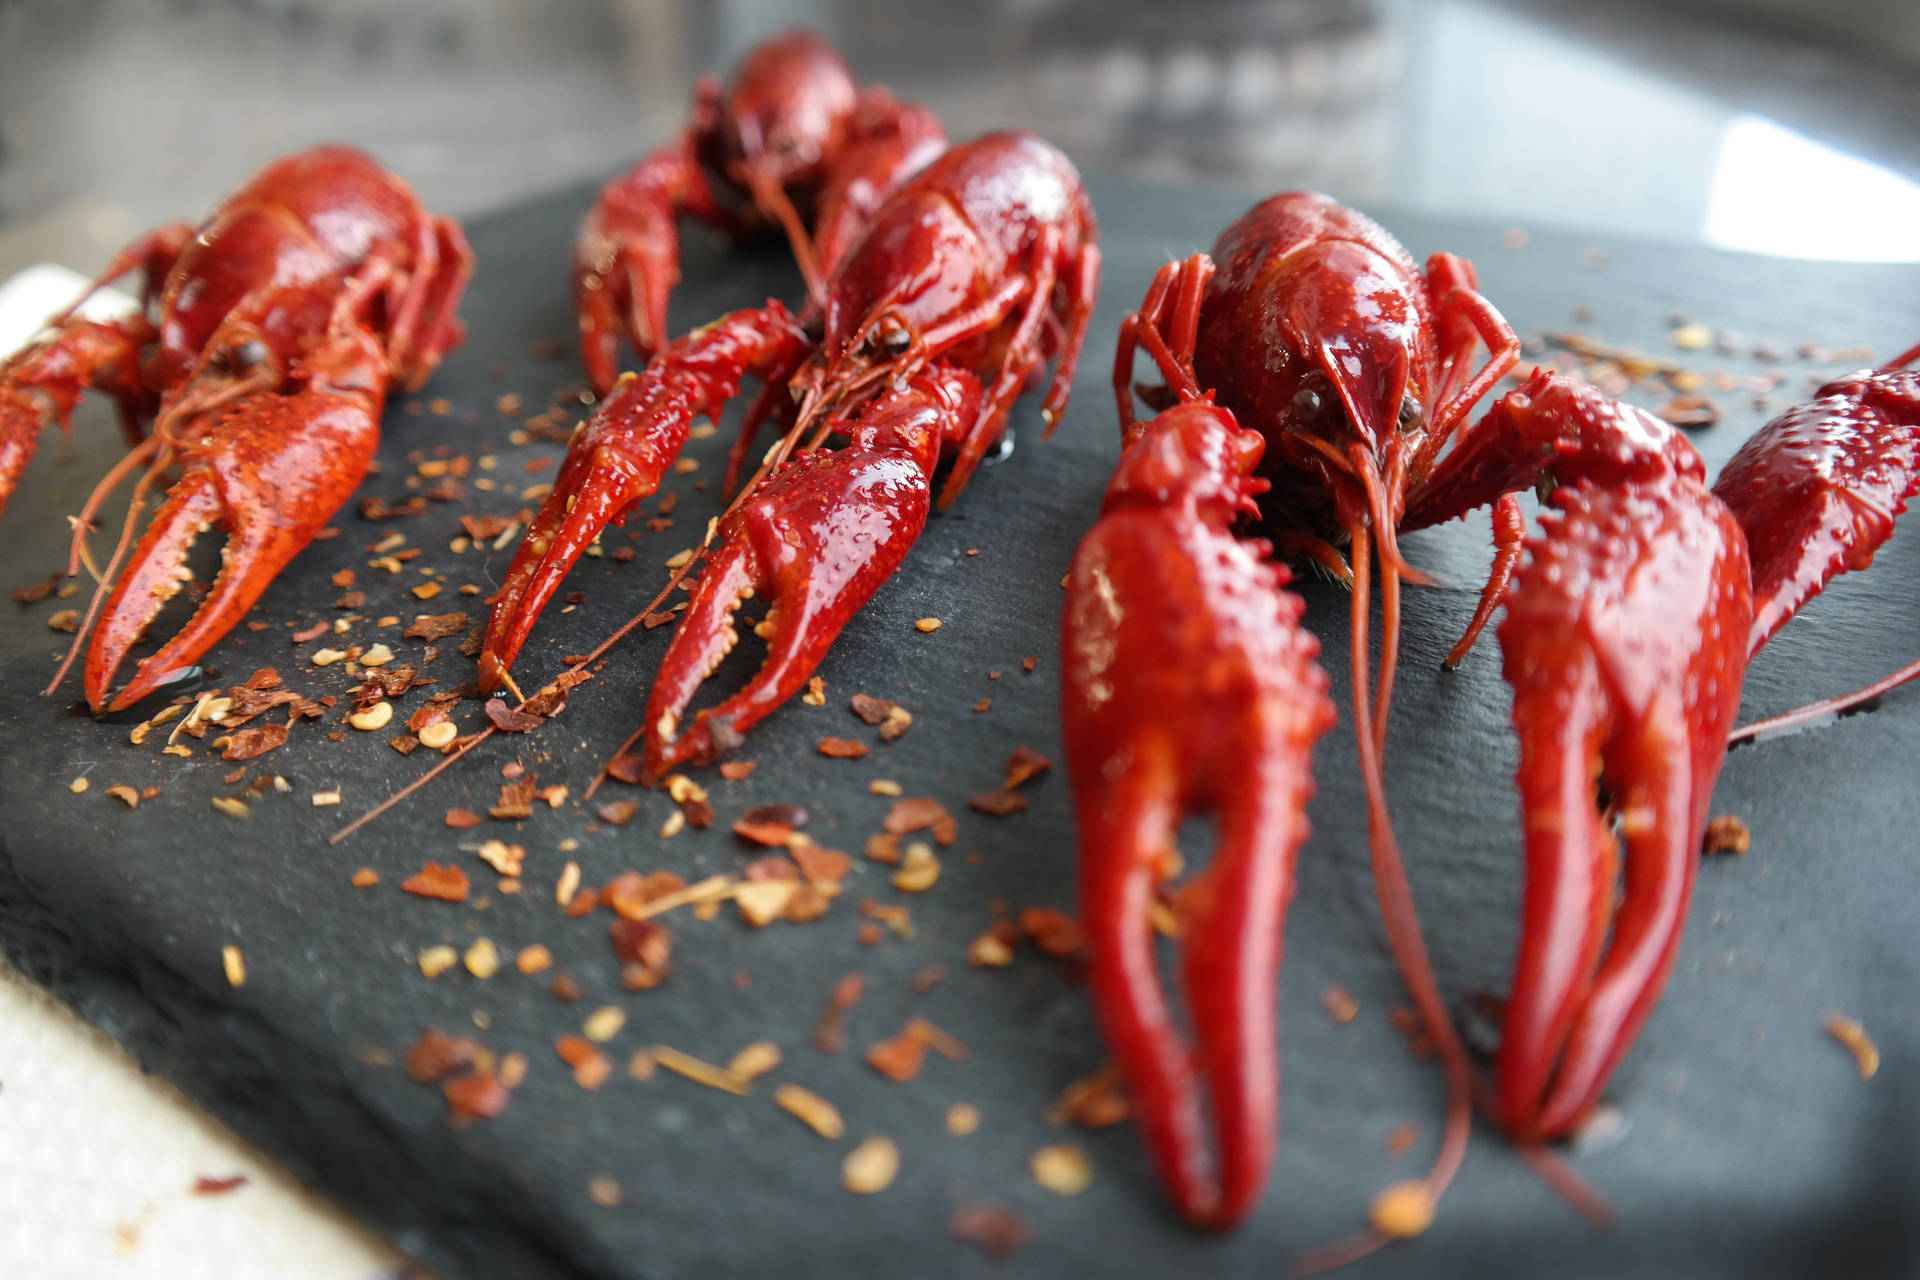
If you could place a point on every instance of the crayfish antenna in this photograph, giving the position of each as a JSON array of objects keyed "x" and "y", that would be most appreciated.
[{"x": 1397, "y": 910}]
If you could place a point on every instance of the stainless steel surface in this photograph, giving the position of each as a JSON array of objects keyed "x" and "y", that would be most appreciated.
[{"x": 1754, "y": 123}]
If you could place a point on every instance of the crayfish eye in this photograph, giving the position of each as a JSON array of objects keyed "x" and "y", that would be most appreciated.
[
  {"x": 1410, "y": 412},
  {"x": 1307, "y": 404},
  {"x": 248, "y": 354}
]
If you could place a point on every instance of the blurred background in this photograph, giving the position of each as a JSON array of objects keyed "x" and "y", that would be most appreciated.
[{"x": 1768, "y": 125}]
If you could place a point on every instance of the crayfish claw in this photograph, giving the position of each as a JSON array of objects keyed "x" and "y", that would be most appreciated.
[
  {"x": 620, "y": 456},
  {"x": 817, "y": 539},
  {"x": 595, "y": 486},
  {"x": 270, "y": 473},
  {"x": 1625, "y": 644},
  {"x": 1189, "y": 687}
]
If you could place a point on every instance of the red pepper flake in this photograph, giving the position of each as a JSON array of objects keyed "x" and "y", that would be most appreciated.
[
  {"x": 644, "y": 949},
  {"x": 1023, "y": 764},
  {"x": 618, "y": 813},
  {"x": 1093, "y": 1102},
  {"x": 485, "y": 528},
  {"x": 829, "y": 1034},
  {"x": 985, "y": 704},
  {"x": 365, "y": 878},
  {"x": 883, "y": 848},
  {"x": 1055, "y": 932},
  {"x": 580, "y": 904},
  {"x": 507, "y": 720},
  {"x": 574, "y": 1049},
  {"x": 842, "y": 748},
  {"x": 869, "y": 933},
  {"x": 475, "y": 1097},
  {"x": 1691, "y": 411},
  {"x": 38, "y": 591},
  {"x": 999, "y": 802},
  {"x": 436, "y": 626},
  {"x": 313, "y": 632},
  {"x": 625, "y": 767},
  {"x": 462, "y": 819},
  {"x": 564, "y": 987},
  {"x": 1028, "y": 664},
  {"x": 821, "y": 867},
  {"x": 516, "y": 799},
  {"x": 699, "y": 812},
  {"x": 1401, "y": 1140},
  {"x": 998, "y": 1230},
  {"x": 735, "y": 770},
  {"x": 255, "y": 741},
  {"x": 629, "y": 893},
  {"x": 447, "y": 883},
  {"x": 918, "y": 813},
  {"x": 205, "y": 1186},
  {"x": 900, "y": 1058},
  {"x": 436, "y": 1055},
  {"x": 871, "y": 710},
  {"x": 381, "y": 509}
]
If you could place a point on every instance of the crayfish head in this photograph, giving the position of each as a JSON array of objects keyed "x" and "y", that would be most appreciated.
[
  {"x": 785, "y": 110},
  {"x": 1356, "y": 336}
]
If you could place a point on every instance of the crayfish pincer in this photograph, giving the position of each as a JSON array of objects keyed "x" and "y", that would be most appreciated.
[
  {"x": 970, "y": 277},
  {"x": 259, "y": 365}
]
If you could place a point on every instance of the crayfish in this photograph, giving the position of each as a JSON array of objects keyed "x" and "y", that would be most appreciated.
[
  {"x": 261, "y": 362},
  {"x": 792, "y": 140},
  {"x": 967, "y": 279},
  {"x": 1320, "y": 366}
]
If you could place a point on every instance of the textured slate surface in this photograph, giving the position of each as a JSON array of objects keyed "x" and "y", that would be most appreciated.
[{"x": 1751, "y": 1147}]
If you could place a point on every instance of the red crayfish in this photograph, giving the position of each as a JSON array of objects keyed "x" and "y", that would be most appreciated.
[
  {"x": 968, "y": 278},
  {"x": 792, "y": 140},
  {"x": 1628, "y": 628},
  {"x": 261, "y": 362}
]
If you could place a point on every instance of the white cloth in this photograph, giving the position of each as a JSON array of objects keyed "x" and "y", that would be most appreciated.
[{"x": 98, "y": 1163}]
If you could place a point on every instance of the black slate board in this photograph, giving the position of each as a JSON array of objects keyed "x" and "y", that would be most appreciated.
[{"x": 1752, "y": 1147}]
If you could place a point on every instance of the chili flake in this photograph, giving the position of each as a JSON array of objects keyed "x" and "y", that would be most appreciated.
[
  {"x": 998, "y": 1230},
  {"x": 918, "y": 813},
  {"x": 447, "y": 883},
  {"x": 842, "y": 748},
  {"x": 829, "y": 1034}
]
